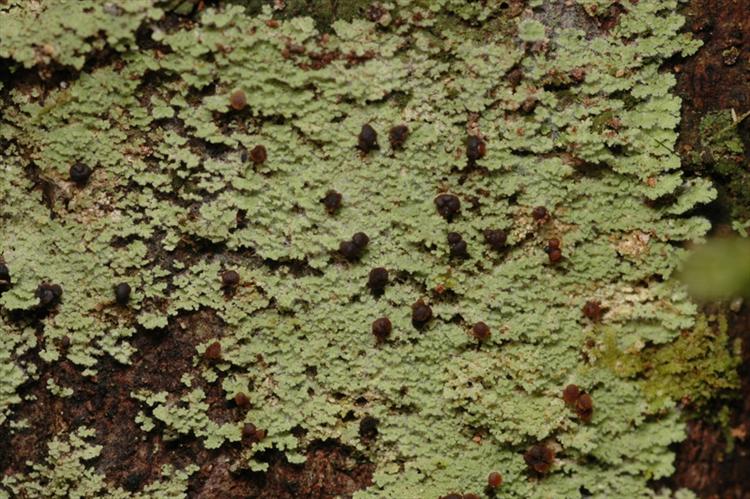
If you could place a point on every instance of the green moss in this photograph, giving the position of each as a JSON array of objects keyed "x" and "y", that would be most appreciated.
[
  {"x": 171, "y": 203},
  {"x": 698, "y": 367}
]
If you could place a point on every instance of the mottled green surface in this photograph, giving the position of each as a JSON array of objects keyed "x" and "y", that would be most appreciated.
[
  {"x": 696, "y": 368},
  {"x": 155, "y": 126}
]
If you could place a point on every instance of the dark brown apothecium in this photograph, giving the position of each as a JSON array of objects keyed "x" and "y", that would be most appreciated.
[
  {"x": 495, "y": 238},
  {"x": 539, "y": 458},
  {"x": 475, "y": 148},
  {"x": 421, "y": 313},
  {"x": 377, "y": 280},
  {"x": 80, "y": 173},
  {"x": 447, "y": 206},
  {"x": 381, "y": 329},
  {"x": 397, "y": 136},
  {"x": 122, "y": 293},
  {"x": 332, "y": 201},
  {"x": 367, "y": 139}
]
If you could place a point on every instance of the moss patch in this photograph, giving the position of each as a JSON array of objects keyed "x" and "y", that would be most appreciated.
[{"x": 698, "y": 367}]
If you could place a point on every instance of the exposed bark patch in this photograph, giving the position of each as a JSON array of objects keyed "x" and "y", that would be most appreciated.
[
  {"x": 715, "y": 78},
  {"x": 104, "y": 403},
  {"x": 331, "y": 470},
  {"x": 131, "y": 458},
  {"x": 568, "y": 15}
]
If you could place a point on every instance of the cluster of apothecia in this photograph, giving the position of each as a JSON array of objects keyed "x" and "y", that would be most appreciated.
[
  {"x": 368, "y": 138},
  {"x": 539, "y": 458},
  {"x": 50, "y": 294},
  {"x": 352, "y": 249},
  {"x": 553, "y": 250},
  {"x": 230, "y": 279},
  {"x": 580, "y": 401}
]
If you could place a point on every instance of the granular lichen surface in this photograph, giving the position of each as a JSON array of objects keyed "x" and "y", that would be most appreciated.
[{"x": 167, "y": 111}]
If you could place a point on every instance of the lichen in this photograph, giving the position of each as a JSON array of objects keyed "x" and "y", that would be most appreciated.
[
  {"x": 60, "y": 391},
  {"x": 187, "y": 415},
  {"x": 587, "y": 132},
  {"x": 13, "y": 371},
  {"x": 67, "y": 32}
]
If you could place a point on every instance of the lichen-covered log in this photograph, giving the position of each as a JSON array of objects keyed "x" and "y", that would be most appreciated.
[{"x": 244, "y": 171}]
